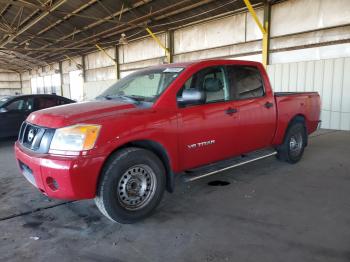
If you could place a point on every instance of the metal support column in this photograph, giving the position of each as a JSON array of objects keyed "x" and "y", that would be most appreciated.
[
  {"x": 170, "y": 45},
  {"x": 264, "y": 28},
  {"x": 116, "y": 64},
  {"x": 83, "y": 67},
  {"x": 266, "y": 36},
  {"x": 21, "y": 81},
  {"x": 167, "y": 52},
  {"x": 61, "y": 76},
  {"x": 117, "y": 61}
]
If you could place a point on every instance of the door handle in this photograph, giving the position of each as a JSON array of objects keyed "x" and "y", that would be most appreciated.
[
  {"x": 268, "y": 105},
  {"x": 230, "y": 111}
]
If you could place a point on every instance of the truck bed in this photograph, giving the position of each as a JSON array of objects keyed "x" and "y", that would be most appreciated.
[{"x": 291, "y": 104}]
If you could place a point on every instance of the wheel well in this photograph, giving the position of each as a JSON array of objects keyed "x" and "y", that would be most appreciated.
[
  {"x": 159, "y": 151},
  {"x": 298, "y": 119}
]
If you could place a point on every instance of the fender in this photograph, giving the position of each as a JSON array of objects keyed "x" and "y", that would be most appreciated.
[
  {"x": 159, "y": 150},
  {"x": 283, "y": 127}
]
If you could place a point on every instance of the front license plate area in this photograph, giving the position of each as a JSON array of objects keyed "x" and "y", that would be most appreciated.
[{"x": 28, "y": 173}]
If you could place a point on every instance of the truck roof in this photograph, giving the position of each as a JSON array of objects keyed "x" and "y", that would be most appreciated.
[{"x": 187, "y": 64}]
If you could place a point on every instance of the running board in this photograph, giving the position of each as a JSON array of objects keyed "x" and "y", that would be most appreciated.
[{"x": 201, "y": 172}]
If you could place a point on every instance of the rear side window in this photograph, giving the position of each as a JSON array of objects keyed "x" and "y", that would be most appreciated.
[
  {"x": 63, "y": 102},
  {"x": 46, "y": 102},
  {"x": 245, "y": 82}
]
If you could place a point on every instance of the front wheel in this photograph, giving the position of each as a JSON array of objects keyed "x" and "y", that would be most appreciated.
[
  {"x": 131, "y": 185},
  {"x": 294, "y": 143}
]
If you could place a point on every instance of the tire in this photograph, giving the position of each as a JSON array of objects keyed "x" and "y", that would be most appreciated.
[
  {"x": 131, "y": 185},
  {"x": 294, "y": 143}
]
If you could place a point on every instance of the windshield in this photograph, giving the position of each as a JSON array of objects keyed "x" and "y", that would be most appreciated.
[
  {"x": 142, "y": 86},
  {"x": 3, "y": 100}
]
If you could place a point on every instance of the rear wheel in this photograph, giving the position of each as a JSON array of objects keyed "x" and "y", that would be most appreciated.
[
  {"x": 294, "y": 143},
  {"x": 131, "y": 185}
]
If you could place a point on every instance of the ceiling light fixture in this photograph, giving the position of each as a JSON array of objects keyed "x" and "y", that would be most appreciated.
[{"x": 123, "y": 40}]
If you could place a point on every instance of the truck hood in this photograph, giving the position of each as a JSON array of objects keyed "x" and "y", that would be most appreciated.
[{"x": 71, "y": 114}]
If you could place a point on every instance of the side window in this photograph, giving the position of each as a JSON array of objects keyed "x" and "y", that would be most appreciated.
[
  {"x": 46, "y": 102},
  {"x": 15, "y": 105},
  {"x": 188, "y": 85},
  {"x": 29, "y": 104},
  {"x": 21, "y": 105},
  {"x": 62, "y": 101},
  {"x": 212, "y": 81},
  {"x": 246, "y": 82}
]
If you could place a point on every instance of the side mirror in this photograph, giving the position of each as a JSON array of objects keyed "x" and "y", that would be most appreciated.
[
  {"x": 3, "y": 110},
  {"x": 192, "y": 97}
]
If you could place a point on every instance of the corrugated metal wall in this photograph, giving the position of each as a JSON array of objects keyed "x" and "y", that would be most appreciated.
[
  {"x": 330, "y": 78},
  {"x": 10, "y": 83}
]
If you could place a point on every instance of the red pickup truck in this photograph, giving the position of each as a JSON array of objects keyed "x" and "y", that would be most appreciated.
[{"x": 196, "y": 119}]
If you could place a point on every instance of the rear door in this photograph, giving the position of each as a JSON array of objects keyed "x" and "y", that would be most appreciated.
[
  {"x": 42, "y": 102},
  {"x": 255, "y": 106},
  {"x": 208, "y": 130}
]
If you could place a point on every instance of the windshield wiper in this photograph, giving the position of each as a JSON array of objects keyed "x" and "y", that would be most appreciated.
[
  {"x": 107, "y": 97},
  {"x": 133, "y": 99}
]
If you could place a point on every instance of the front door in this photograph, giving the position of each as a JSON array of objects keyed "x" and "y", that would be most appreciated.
[
  {"x": 207, "y": 130},
  {"x": 17, "y": 112}
]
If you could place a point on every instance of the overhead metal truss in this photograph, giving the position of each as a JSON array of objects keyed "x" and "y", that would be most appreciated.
[{"x": 37, "y": 32}]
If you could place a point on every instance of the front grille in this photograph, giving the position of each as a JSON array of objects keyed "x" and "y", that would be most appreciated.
[{"x": 35, "y": 138}]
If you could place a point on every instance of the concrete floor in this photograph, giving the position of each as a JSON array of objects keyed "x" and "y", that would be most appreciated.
[{"x": 271, "y": 211}]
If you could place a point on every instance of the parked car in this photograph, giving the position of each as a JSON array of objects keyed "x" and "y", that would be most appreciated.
[
  {"x": 194, "y": 119},
  {"x": 15, "y": 109}
]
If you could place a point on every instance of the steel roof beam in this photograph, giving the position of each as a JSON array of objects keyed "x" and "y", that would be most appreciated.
[
  {"x": 118, "y": 29},
  {"x": 22, "y": 3},
  {"x": 100, "y": 21},
  {"x": 4, "y": 9},
  {"x": 32, "y": 23},
  {"x": 59, "y": 21}
]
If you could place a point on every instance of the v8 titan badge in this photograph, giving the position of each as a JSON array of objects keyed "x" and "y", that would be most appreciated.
[{"x": 201, "y": 144}]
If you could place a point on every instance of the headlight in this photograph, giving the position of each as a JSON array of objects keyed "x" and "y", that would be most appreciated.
[{"x": 73, "y": 139}]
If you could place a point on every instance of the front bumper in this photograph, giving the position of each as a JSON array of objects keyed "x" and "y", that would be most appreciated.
[{"x": 70, "y": 178}]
